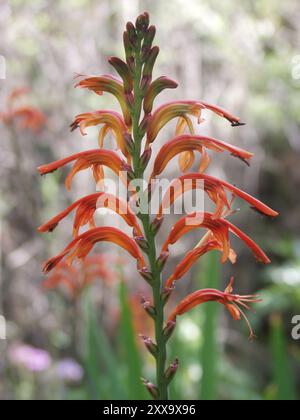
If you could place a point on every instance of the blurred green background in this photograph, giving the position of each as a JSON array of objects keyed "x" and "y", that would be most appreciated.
[{"x": 243, "y": 56}]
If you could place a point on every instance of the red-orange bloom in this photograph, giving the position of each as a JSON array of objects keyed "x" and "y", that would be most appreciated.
[
  {"x": 110, "y": 84},
  {"x": 112, "y": 122},
  {"x": 215, "y": 188},
  {"x": 195, "y": 143},
  {"x": 182, "y": 109},
  {"x": 168, "y": 112},
  {"x": 28, "y": 117},
  {"x": 76, "y": 279},
  {"x": 155, "y": 89},
  {"x": 84, "y": 243},
  {"x": 85, "y": 210},
  {"x": 190, "y": 259},
  {"x": 89, "y": 159},
  {"x": 220, "y": 229},
  {"x": 230, "y": 301}
]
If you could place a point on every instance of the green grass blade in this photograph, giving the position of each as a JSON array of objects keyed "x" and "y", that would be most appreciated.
[
  {"x": 100, "y": 360},
  {"x": 209, "y": 351},
  {"x": 283, "y": 377},
  {"x": 136, "y": 390}
]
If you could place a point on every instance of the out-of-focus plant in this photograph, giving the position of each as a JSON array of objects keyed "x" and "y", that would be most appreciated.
[
  {"x": 22, "y": 116},
  {"x": 135, "y": 132},
  {"x": 77, "y": 279}
]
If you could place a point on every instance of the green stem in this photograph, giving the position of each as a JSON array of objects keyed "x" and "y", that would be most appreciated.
[{"x": 158, "y": 302}]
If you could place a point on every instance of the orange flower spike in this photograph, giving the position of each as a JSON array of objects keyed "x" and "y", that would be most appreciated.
[
  {"x": 233, "y": 303},
  {"x": 111, "y": 120},
  {"x": 86, "y": 208},
  {"x": 220, "y": 229},
  {"x": 84, "y": 160},
  {"x": 110, "y": 84},
  {"x": 194, "y": 143},
  {"x": 168, "y": 112},
  {"x": 82, "y": 245},
  {"x": 216, "y": 188}
]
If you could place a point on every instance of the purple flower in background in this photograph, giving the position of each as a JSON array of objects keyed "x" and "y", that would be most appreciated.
[
  {"x": 69, "y": 370},
  {"x": 33, "y": 359}
]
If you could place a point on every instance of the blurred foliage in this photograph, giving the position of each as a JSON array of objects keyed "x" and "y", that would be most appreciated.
[{"x": 242, "y": 56}]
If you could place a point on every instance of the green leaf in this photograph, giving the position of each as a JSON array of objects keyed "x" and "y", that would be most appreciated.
[
  {"x": 136, "y": 390},
  {"x": 100, "y": 361},
  {"x": 283, "y": 376},
  {"x": 209, "y": 350}
]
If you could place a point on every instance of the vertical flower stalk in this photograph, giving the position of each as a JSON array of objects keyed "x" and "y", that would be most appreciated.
[{"x": 135, "y": 130}]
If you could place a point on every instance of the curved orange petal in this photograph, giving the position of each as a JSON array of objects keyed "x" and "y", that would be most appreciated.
[
  {"x": 82, "y": 245},
  {"x": 168, "y": 112},
  {"x": 84, "y": 160},
  {"x": 110, "y": 84},
  {"x": 235, "y": 121},
  {"x": 220, "y": 229},
  {"x": 111, "y": 120},
  {"x": 189, "y": 260},
  {"x": 215, "y": 187},
  {"x": 193, "y": 143},
  {"x": 86, "y": 208},
  {"x": 155, "y": 89}
]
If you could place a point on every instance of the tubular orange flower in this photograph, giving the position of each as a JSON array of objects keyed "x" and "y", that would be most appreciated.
[
  {"x": 110, "y": 84},
  {"x": 191, "y": 257},
  {"x": 168, "y": 112},
  {"x": 182, "y": 109},
  {"x": 86, "y": 208},
  {"x": 216, "y": 190},
  {"x": 76, "y": 279},
  {"x": 230, "y": 301},
  {"x": 112, "y": 121},
  {"x": 235, "y": 121},
  {"x": 83, "y": 244},
  {"x": 155, "y": 89},
  {"x": 190, "y": 143},
  {"x": 83, "y": 160},
  {"x": 220, "y": 229}
]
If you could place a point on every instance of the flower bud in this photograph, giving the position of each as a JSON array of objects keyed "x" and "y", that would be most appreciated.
[
  {"x": 129, "y": 100},
  {"x": 169, "y": 329},
  {"x": 162, "y": 259},
  {"x": 144, "y": 124},
  {"x": 150, "y": 346},
  {"x": 156, "y": 224},
  {"x": 145, "y": 158},
  {"x": 152, "y": 389},
  {"x": 148, "y": 69},
  {"x": 149, "y": 36},
  {"x": 146, "y": 274},
  {"x": 142, "y": 22},
  {"x": 142, "y": 243},
  {"x": 166, "y": 293},
  {"x": 148, "y": 307},
  {"x": 127, "y": 168},
  {"x": 129, "y": 142},
  {"x": 147, "y": 44},
  {"x": 131, "y": 34},
  {"x": 171, "y": 371},
  {"x": 122, "y": 69}
]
